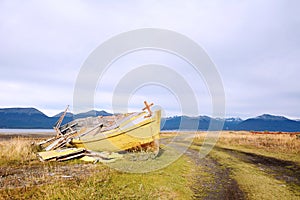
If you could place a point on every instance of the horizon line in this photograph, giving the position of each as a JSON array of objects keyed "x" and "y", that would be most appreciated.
[{"x": 99, "y": 109}]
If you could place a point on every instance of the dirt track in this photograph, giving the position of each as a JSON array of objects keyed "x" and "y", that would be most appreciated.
[
  {"x": 222, "y": 187},
  {"x": 280, "y": 169}
]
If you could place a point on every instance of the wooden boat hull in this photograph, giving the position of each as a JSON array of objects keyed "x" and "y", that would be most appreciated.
[{"x": 133, "y": 132}]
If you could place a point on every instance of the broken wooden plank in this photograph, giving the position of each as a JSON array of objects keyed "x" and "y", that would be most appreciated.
[
  {"x": 48, "y": 140},
  {"x": 60, "y": 141},
  {"x": 62, "y": 153},
  {"x": 70, "y": 157},
  {"x": 53, "y": 144},
  {"x": 90, "y": 130},
  {"x": 63, "y": 129}
]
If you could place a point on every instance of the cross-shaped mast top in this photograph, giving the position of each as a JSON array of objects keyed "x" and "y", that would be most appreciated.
[{"x": 147, "y": 107}]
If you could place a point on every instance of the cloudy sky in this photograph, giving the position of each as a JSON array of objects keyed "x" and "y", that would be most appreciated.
[{"x": 254, "y": 44}]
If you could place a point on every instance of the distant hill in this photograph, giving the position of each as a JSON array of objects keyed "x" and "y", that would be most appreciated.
[
  {"x": 186, "y": 123},
  {"x": 92, "y": 113},
  {"x": 33, "y": 118},
  {"x": 68, "y": 114},
  {"x": 270, "y": 123},
  {"x": 24, "y": 118},
  {"x": 232, "y": 123},
  {"x": 203, "y": 123},
  {"x": 265, "y": 122}
]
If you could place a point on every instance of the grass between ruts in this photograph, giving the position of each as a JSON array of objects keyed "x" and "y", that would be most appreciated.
[{"x": 256, "y": 183}]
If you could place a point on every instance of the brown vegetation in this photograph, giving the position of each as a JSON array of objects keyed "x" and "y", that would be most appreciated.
[
  {"x": 18, "y": 149},
  {"x": 284, "y": 143}
]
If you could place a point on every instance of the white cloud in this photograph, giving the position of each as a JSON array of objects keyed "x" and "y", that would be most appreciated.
[{"x": 254, "y": 44}]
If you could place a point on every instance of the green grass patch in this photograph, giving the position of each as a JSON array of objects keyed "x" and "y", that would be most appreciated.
[
  {"x": 104, "y": 182},
  {"x": 255, "y": 183}
]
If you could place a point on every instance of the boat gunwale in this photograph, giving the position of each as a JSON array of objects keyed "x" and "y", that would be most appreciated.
[
  {"x": 78, "y": 141},
  {"x": 116, "y": 132}
]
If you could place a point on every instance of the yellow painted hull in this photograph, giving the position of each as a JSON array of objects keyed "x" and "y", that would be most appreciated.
[{"x": 133, "y": 132}]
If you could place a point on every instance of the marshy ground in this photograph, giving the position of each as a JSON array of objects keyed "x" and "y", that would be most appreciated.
[{"x": 241, "y": 165}]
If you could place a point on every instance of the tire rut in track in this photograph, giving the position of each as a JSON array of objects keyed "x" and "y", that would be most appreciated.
[
  {"x": 222, "y": 186},
  {"x": 287, "y": 171}
]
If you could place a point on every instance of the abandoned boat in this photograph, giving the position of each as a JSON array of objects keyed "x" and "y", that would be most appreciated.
[
  {"x": 133, "y": 130},
  {"x": 130, "y": 131}
]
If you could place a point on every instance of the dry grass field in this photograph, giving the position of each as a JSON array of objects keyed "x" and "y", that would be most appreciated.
[
  {"x": 285, "y": 142},
  {"x": 242, "y": 165}
]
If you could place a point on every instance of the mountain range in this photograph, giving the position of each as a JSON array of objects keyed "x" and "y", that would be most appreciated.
[{"x": 33, "y": 118}]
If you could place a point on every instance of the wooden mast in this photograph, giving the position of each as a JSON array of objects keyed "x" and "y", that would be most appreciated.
[{"x": 60, "y": 120}]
